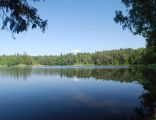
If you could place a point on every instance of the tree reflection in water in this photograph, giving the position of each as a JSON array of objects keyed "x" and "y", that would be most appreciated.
[{"x": 143, "y": 76}]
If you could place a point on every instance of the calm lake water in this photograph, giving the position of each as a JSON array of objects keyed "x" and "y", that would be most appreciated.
[{"x": 77, "y": 93}]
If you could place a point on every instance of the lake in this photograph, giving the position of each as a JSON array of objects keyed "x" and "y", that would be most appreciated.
[{"x": 77, "y": 93}]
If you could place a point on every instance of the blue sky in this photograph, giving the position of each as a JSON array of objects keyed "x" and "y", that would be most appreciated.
[{"x": 85, "y": 25}]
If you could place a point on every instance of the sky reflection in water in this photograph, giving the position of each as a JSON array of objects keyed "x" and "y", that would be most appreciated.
[{"x": 71, "y": 93}]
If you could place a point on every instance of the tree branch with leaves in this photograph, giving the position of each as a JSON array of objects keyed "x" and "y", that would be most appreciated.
[
  {"x": 140, "y": 18},
  {"x": 18, "y": 15}
]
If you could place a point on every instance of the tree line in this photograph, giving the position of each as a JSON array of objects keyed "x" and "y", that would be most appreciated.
[
  {"x": 139, "y": 17},
  {"x": 112, "y": 57}
]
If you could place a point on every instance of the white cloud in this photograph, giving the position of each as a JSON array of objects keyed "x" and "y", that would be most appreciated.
[
  {"x": 76, "y": 51},
  {"x": 75, "y": 79}
]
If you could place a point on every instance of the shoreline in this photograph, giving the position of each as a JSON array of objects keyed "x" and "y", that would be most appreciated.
[
  {"x": 149, "y": 66},
  {"x": 22, "y": 65}
]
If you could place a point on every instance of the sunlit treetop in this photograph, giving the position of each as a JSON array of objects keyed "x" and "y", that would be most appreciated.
[{"x": 18, "y": 15}]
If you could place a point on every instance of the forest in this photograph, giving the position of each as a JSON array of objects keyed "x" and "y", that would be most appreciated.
[{"x": 110, "y": 57}]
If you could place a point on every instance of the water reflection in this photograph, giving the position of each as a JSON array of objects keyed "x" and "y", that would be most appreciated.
[
  {"x": 119, "y": 74},
  {"x": 16, "y": 72},
  {"x": 95, "y": 93}
]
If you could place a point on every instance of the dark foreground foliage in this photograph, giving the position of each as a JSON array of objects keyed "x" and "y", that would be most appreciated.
[{"x": 18, "y": 15}]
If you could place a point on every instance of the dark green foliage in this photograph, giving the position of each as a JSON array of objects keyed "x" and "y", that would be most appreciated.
[
  {"x": 113, "y": 57},
  {"x": 140, "y": 18},
  {"x": 150, "y": 55},
  {"x": 18, "y": 15}
]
